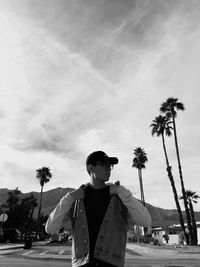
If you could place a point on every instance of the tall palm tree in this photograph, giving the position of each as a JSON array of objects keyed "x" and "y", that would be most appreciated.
[
  {"x": 43, "y": 175},
  {"x": 161, "y": 126},
  {"x": 169, "y": 107},
  {"x": 139, "y": 163},
  {"x": 192, "y": 197}
]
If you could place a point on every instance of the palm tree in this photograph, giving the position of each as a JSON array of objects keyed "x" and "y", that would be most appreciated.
[
  {"x": 169, "y": 107},
  {"x": 162, "y": 125},
  {"x": 43, "y": 175},
  {"x": 192, "y": 197},
  {"x": 139, "y": 163}
]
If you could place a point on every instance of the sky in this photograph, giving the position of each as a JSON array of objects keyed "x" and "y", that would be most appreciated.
[{"x": 80, "y": 76}]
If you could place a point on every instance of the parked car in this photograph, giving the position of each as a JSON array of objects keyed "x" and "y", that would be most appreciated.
[{"x": 11, "y": 235}]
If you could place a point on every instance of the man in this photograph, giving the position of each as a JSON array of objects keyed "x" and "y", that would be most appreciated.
[{"x": 100, "y": 213}]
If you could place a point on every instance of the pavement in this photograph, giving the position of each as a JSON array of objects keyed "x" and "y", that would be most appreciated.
[
  {"x": 10, "y": 246},
  {"x": 138, "y": 255},
  {"x": 4, "y": 246},
  {"x": 140, "y": 248},
  {"x": 164, "y": 251}
]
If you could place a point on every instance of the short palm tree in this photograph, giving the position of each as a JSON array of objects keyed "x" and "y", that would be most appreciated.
[
  {"x": 169, "y": 108},
  {"x": 139, "y": 163},
  {"x": 43, "y": 175},
  {"x": 192, "y": 197},
  {"x": 161, "y": 126}
]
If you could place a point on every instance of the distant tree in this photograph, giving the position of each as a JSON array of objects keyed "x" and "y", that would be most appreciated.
[
  {"x": 192, "y": 197},
  {"x": 20, "y": 210},
  {"x": 169, "y": 108},
  {"x": 43, "y": 175},
  {"x": 14, "y": 210},
  {"x": 13, "y": 198},
  {"x": 161, "y": 126},
  {"x": 28, "y": 204},
  {"x": 139, "y": 163},
  {"x": 3, "y": 210},
  {"x": 41, "y": 226}
]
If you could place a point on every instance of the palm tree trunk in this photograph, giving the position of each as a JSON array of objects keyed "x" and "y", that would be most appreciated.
[
  {"x": 39, "y": 211},
  {"x": 194, "y": 226},
  {"x": 142, "y": 197},
  {"x": 174, "y": 190},
  {"x": 182, "y": 183},
  {"x": 141, "y": 186}
]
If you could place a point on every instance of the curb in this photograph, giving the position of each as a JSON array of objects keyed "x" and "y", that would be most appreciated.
[{"x": 11, "y": 246}]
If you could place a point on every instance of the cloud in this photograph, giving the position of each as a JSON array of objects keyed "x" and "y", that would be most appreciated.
[{"x": 80, "y": 76}]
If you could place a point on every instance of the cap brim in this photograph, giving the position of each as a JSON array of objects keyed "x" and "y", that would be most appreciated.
[{"x": 113, "y": 160}]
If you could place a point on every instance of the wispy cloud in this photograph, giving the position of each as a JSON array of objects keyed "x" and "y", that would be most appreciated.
[{"x": 80, "y": 76}]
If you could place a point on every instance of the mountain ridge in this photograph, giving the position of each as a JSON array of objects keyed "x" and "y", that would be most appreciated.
[{"x": 160, "y": 217}]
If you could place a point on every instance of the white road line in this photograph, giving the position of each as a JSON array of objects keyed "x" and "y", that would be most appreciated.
[
  {"x": 28, "y": 252},
  {"x": 43, "y": 253},
  {"x": 61, "y": 252},
  {"x": 7, "y": 251}
]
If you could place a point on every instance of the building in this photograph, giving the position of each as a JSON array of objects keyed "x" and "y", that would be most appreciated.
[{"x": 171, "y": 234}]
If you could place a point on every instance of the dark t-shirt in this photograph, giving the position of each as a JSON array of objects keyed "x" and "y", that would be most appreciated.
[{"x": 96, "y": 203}]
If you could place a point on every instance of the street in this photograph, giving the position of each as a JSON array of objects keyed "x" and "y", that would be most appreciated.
[{"x": 42, "y": 254}]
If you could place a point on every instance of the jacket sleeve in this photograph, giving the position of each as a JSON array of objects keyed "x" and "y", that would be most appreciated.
[
  {"x": 57, "y": 217},
  {"x": 137, "y": 213}
]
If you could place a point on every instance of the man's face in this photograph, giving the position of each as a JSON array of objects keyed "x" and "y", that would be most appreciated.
[{"x": 102, "y": 170}]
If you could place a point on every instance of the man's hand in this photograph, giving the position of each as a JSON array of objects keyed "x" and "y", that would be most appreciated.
[
  {"x": 114, "y": 188},
  {"x": 78, "y": 193}
]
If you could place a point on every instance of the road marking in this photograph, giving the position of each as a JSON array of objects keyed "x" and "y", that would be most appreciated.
[
  {"x": 28, "y": 252},
  {"x": 61, "y": 252},
  {"x": 43, "y": 253},
  {"x": 7, "y": 251}
]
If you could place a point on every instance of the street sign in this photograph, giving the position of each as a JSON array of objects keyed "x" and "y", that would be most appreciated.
[{"x": 3, "y": 217}]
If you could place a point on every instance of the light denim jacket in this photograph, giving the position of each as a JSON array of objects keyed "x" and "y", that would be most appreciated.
[{"x": 111, "y": 242}]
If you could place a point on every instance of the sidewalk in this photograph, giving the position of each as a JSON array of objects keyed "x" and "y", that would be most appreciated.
[
  {"x": 152, "y": 251},
  {"x": 11, "y": 246},
  {"x": 4, "y": 246}
]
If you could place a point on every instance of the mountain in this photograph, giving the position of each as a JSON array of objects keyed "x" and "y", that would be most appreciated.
[{"x": 160, "y": 217}]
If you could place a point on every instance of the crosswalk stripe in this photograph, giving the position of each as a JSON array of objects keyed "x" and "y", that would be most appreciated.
[
  {"x": 28, "y": 252},
  {"x": 61, "y": 252},
  {"x": 44, "y": 252}
]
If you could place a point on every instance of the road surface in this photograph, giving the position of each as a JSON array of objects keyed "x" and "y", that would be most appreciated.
[{"x": 60, "y": 256}]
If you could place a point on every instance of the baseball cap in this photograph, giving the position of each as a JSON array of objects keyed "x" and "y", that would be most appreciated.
[{"x": 100, "y": 156}]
